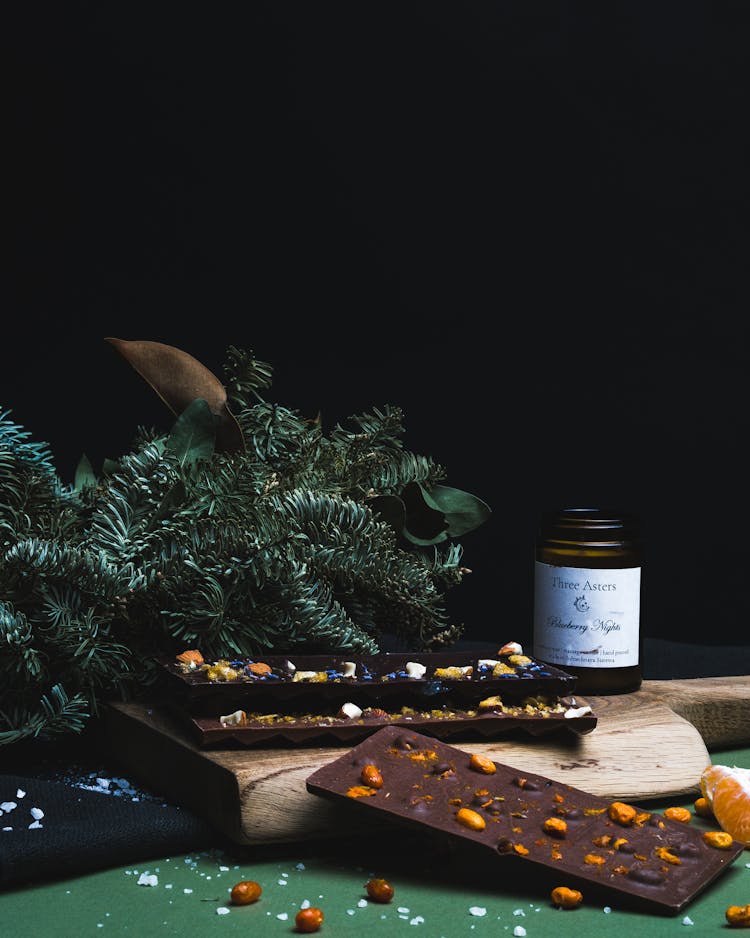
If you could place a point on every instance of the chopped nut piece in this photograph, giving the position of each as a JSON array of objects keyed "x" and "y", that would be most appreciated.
[
  {"x": 678, "y": 814},
  {"x": 621, "y": 813},
  {"x": 260, "y": 668},
  {"x": 663, "y": 854},
  {"x": 454, "y": 673},
  {"x": 415, "y": 670},
  {"x": 315, "y": 677},
  {"x": 371, "y": 776},
  {"x": 238, "y": 718},
  {"x": 718, "y": 839},
  {"x": 593, "y": 859},
  {"x": 511, "y": 648},
  {"x": 192, "y": 658},
  {"x": 555, "y": 826},
  {"x": 221, "y": 671},
  {"x": 482, "y": 764},
  {"x": 468, "y": 818},
  {"x": 361, "y": 791}
]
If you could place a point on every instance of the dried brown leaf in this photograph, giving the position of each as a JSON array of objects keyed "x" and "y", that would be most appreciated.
[{"x": 179, "y": 379}]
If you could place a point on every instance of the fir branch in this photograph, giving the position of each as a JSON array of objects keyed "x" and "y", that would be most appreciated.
[
  {"x": 313, "y": 618},
  {"x": 54, "y": 714},
  {"x": 245, "y": 375},
  {"x": 272, "y": 547}
]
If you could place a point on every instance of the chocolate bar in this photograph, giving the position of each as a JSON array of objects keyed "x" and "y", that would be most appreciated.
[
  {"x": 496, "y": 813},
  {"x": 459, "y": 680},
  {"x": 350, "y": 724}
]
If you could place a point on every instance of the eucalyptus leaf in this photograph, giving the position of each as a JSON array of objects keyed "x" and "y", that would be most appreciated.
[
  {"x": 423, "y": 523},
  {"x": 193, "y": 435},
  {"x": 462, "y": 511},
  {"x": 390, "y": 509},
  {"x": 84, "y": 475}
]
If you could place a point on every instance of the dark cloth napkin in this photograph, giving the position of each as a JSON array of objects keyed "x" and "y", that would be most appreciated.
[{"x": 84, "y": 831}]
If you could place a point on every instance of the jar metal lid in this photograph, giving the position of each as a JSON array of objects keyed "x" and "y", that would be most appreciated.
[{"x": 589, "y": 524}]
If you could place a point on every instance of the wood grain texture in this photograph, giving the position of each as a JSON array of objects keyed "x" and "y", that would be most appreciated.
[{"x": 650, "y": 744}]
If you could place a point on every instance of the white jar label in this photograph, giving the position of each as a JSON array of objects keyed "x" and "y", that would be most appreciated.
[{"x": 587, "y": 618}]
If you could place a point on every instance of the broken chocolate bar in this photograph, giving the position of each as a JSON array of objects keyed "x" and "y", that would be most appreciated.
[{"x": 501, "y": 814}]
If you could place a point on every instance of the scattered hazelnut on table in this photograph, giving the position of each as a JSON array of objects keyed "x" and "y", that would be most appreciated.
[
  {"x": 738, "y": 915},
  {"x": 245, "y": 892},
  {"x": 566, "y": 898},
  {"x": 379, "y": 890},
  {"x": 308, "y": 920}
]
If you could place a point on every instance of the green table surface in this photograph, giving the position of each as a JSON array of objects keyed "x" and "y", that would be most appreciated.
[{"x": 435, "y": 894}]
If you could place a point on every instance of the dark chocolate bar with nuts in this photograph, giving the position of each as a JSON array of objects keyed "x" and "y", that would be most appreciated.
[
  {"x": 460, "y": 679},
  {"x": 501, "y": 814}
]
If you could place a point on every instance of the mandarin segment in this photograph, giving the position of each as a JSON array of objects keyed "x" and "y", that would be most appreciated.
[{"x": 727, "y": 792}]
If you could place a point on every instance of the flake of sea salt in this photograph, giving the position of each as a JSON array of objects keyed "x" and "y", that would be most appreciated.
[
  {"x": 35, "y": 825},
  {"x": 20, "y": 793},
  {"x": 282, "y": 916},
  {"x": 362, "y": 903},
  {"x": 148, "y": 879},
  {"x": 607, "y": 909},
  {"x": 477, "y": 910},
  {"x": 8, "y": 806},
  {"x": 37, "y": 813},
  {"x": 301, "y": 866},
  {"x": 222, "y": 910},
  {"x": 417, "y": 920},
  {"x": 519, "y": 931},
  {"x": 187, "y": 891},
  {"x": 688, "y": 921}
]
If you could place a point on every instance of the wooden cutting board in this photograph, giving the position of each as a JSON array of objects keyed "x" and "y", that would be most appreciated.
[{"x": 650, "y": 744}]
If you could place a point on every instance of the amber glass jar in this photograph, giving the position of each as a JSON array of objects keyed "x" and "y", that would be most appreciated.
[{"x": 587, "y": 597}]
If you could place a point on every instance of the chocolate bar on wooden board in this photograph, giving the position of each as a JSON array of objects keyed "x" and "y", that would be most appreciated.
[
  {"x": 422, "y": 680},
  {"x": 248, "y": 729},
  {"x": 497, "y": 813}
]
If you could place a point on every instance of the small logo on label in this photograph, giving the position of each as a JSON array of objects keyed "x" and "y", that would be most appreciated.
[{"x": 581, "y": 603}]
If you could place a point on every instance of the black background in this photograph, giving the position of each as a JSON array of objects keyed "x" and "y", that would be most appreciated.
[{"x": 524, "y": 223}]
